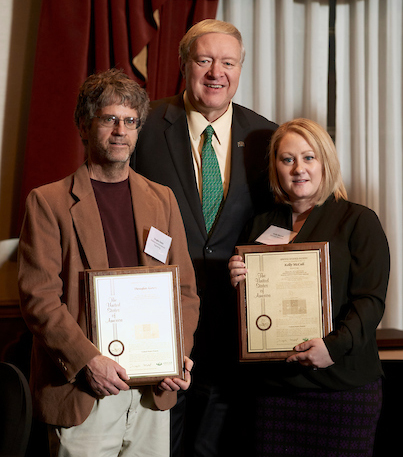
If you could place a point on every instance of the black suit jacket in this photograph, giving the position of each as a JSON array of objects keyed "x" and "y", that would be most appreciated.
[
  {"x": 359, "y": 269},
  {"x": 163, "y": 154}
]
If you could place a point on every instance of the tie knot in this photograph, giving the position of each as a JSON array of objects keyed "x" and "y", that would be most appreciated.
[{"x": 209, "y": 132}]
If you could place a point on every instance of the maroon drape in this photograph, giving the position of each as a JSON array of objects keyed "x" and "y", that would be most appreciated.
[{"x": 79, "y": 37}]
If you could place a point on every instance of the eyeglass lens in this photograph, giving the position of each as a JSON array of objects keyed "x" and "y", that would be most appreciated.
[{"x": 111, "y": 121}]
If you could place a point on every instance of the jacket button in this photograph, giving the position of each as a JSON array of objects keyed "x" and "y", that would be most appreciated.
[{"x": 209, "y": 250}]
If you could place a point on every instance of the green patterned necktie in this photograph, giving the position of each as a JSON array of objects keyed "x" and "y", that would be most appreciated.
[{"x": 212, "y": 190}]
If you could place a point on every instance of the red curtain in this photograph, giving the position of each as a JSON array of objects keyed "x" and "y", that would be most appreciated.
[{"x": 79, "y": 37}]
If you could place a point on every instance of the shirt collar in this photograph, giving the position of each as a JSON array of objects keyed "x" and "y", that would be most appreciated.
[{"x": 198, "y": 123}]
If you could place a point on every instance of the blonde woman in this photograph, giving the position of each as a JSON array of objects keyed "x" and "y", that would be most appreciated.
[{"x": 324, "y": 400}]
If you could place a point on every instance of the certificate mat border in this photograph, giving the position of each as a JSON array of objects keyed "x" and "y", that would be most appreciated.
[
  {"x": 324, "y": 262},
  {"x": 91, "y": 315}
]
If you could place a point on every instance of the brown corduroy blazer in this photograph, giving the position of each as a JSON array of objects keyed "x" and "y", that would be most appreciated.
[{"x": 61, "y": 236}]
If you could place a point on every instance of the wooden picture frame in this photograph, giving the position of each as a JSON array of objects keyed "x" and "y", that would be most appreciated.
[
  {"x": 134, "y": 316},
  {"x": 285, "y": 299}
]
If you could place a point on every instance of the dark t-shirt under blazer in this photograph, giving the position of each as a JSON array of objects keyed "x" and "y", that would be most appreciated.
[{"x": 116, "y": 210}]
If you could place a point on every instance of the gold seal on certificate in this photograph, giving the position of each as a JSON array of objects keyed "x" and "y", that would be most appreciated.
[
  {"x": 263, "y": 322},
  {"x": 135, "y": 318},
  {"x": 116, "y": 348},
  {"x": 284, "y": 300}
]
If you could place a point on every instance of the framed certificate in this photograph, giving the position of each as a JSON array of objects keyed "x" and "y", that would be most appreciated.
[
  {"x": 134, "y": 317},
  {"x": 285, "y": 299}
]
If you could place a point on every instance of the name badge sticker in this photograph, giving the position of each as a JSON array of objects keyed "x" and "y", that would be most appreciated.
[
  {"x": 276, "y": 235},
  {"x": 158, "y": 244}
]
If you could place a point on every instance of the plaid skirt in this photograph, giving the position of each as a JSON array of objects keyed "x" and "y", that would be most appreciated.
[{"x": 318, "y": 424}]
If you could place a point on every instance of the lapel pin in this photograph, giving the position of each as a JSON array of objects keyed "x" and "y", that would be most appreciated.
[{"x": 241, "y": 144}]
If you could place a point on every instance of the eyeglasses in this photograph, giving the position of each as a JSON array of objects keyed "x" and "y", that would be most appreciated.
[{"x": 111, "y": 121}]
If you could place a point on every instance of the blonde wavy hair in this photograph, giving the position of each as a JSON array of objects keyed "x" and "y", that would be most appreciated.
[{"x": 323, "y": 147}]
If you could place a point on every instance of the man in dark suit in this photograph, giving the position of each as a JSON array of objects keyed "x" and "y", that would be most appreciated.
[{"x": 170, "y": 151}]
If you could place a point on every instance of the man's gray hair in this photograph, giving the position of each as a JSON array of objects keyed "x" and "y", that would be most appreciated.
[{"x": 204, "y": 27}]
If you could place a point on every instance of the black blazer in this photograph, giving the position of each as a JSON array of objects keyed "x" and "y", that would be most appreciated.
[
  {"x": 359, "y": 268},
  {"x": 163, "y": 154}
]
